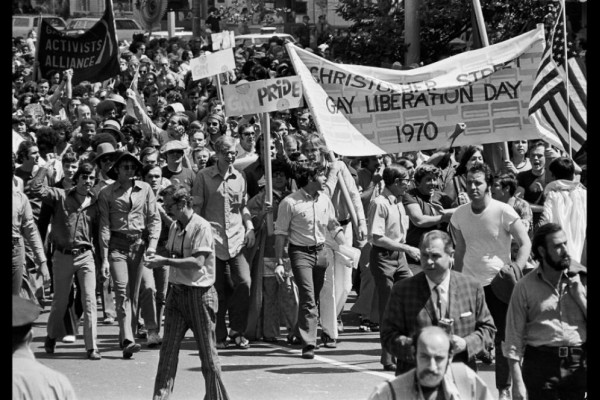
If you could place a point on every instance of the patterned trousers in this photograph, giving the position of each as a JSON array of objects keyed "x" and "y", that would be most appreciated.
[{"x": 192, "y": 308}]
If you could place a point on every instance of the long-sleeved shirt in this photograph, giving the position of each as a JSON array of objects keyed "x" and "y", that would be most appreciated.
[
  {"x": 221, "y": 200},
  {"x": 128, "y": 211},
  {"x": 24, "y": 226},
  {"x": 306, "y": 219},
  {"x": 539, "y": 314},
  {"x": 74, "y": 224}
]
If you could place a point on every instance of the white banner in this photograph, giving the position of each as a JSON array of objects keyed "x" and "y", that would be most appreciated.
[
  {"x": 263, "y": 96},
  {"x": 367, "y": 110},
  {"x": 212, "y": 64}
]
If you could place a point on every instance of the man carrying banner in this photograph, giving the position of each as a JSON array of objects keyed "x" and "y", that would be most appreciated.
[{"x": 335, "y": 291}]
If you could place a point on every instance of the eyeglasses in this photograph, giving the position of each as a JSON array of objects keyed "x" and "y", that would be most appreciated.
[
  {"x": 175, "y": 152},
  {"x": 105, "y": 159},
  {"x": 249, "y": 134},
  {"x": 128, "y": 167},
  {"x": 213, "y": 124},
  {"x": 229, "y": 153},
  {"x": 278, "y": 173}
]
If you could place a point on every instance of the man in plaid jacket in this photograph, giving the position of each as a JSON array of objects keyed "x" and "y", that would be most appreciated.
[{"x": 437, "y": 296}]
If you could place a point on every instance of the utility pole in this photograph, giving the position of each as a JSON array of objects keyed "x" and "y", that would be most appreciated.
[
  {"x": 412, "y": 26},
  {"x": 196, "y": 17}
]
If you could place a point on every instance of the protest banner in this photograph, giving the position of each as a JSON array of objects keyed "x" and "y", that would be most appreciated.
[
  {"x": 262, "y": 96},
  {"x": 93, "y": 55},
  {"x": 212, "y": 64},
  {"x": 367, "y": 110}
]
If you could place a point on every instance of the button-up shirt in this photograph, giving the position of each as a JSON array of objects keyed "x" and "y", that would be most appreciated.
[
  {"x": 196, "y": 237},
  {"x": 387, "y": 217},
  {"x": 22, "y": 221},
  {"x": 128, "y": 211},
  {"x": 74, "y": 223},
  {"x": 306, "y": 219},
  {"x": 221, "y": 199},
  {"x": 540, "y": 314}
]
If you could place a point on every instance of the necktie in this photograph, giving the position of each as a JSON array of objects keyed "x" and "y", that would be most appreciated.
[{"x": 441, "y": 303}]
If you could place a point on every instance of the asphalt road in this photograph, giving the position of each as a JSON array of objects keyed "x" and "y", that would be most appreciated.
[{"x": 265, "y": 371}]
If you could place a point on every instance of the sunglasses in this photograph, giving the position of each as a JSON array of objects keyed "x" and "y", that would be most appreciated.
[
  {"x": 128, "y": 167},
  {"x": 213, "y": 124},
  {"x": 249, "y": 134},
  {"x": 175, "y": 152}
]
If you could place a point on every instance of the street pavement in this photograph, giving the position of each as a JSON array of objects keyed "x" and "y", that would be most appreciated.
[{"x": 265, "y": 371}]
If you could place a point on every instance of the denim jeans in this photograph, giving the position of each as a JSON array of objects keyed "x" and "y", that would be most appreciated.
[
  {"x": 65, "y": 268},
  {"x": 309, "y": 274}
]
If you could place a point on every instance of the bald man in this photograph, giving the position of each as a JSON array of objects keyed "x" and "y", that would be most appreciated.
[{"x": 435, "y": 376}]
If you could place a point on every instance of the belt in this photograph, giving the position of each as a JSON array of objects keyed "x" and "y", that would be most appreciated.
[
  {"x": 130, "y": 237},
  {"x": 75, "y": 251},
  {"x": 345, "y": 222},
  {"x": 561, "y": 352},
  {"x": 309, "y": 249}
]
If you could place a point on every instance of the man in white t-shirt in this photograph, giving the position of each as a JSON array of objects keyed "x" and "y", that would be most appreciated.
[{"x": 482, "y": 232}]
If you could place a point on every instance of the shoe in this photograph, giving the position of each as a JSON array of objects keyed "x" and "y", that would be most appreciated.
[
  {"x": 142, "y": 332},
  {"x": 153, "y": 339},
  {"x": 129, "y": 348},
  {"x": 505, "y": 394},
  {"x": 269, "y": 340},
  {"x": 222, "y": 344},
  {"x": 389, "y": 367},
  {"x": 68, "y": 339},
  {"x": 93, "y": 355},
  {"x": 108, "y": 321},
  {"x": 293, "y": 340},
  {"x": 49, "y": 345},
  {"x": 308, "y": 352},
  {"x": 365, "y": 325},
  {"x": 340, "y": 326},
  {"x": 374, "y": 327},
  {"x": 328, "y": 341}
]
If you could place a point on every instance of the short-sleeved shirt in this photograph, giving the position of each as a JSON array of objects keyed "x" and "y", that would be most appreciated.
[
  {"x": 185, "y": 177},
  {"x": 387, "y": 217},
  {"x": 220, "y": 200},
  {"x": 487, "y": 238},
  {"x": 305, "y": 219},
  {"x": 413, "y": 196},
  {"x": 183, "y": 242}
]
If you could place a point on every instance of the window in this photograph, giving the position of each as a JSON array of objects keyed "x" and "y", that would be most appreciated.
[
  {"x": 21, "y": 22},
  {"x": 126, "y": 24}
]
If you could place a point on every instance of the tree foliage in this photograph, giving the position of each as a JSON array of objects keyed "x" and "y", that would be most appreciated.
[{"x": 377, "y": 32}]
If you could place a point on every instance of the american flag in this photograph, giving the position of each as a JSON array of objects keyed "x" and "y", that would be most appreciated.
[{"x": 551, "y": 104}]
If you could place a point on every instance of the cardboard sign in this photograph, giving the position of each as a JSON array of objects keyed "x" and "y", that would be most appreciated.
[
  {"x": 222, "y": 40},
  {"x": 366, "y": 110},
  {"x": 212, "y": 64},
  {"x": 263, "y": 96}
]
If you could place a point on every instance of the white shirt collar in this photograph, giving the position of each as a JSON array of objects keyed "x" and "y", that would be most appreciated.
[{"x": 444, "y": 286}]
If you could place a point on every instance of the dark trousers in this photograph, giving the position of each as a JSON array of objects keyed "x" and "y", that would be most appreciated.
[
  {"x": 233, "y": 288},
  {"x": 387, "y": 268},
  {"x": 498, "y": 309},
  {"x": 549, "y": 377},
  {"x": 309, "y": 274},
  {"x": 192, "y": 308},
  {"x": 18, "y": 263}
]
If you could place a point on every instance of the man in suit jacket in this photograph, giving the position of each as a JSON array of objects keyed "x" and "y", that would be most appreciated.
[{"x": 437, "y": 296}]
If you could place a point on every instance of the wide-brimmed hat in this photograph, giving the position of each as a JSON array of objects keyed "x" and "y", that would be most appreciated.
[
  {"x": 112, "y": 172},
  {"x": 176, "y": 107},
  {"x": 117, "y": 98},
  {"x": 114, "y": 127},
  {"x": 103, "y": 149}
]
